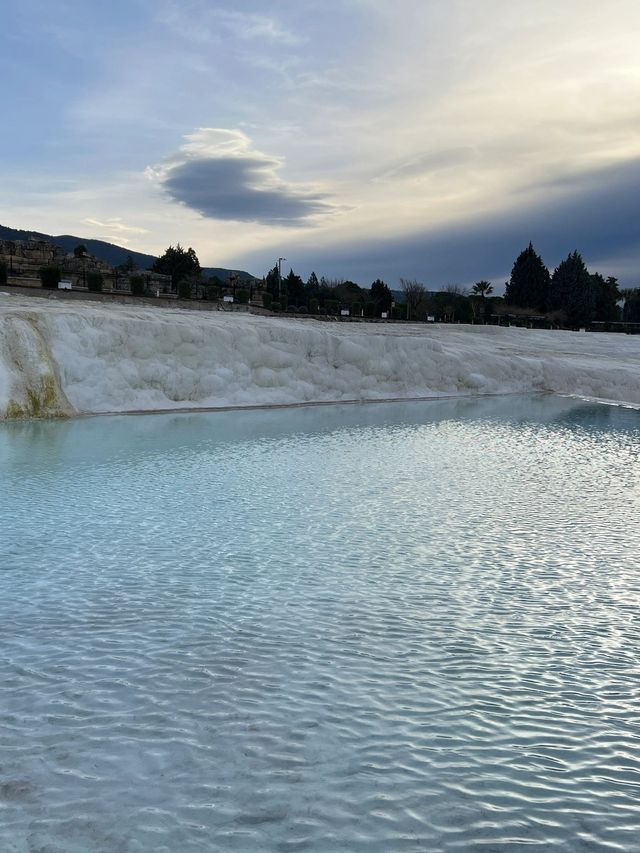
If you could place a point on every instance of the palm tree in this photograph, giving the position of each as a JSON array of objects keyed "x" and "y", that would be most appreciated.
[{"x": 482, "y": 288}]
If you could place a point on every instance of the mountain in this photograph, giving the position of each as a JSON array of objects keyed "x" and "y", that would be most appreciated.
[{"x": 107, "y": 252}]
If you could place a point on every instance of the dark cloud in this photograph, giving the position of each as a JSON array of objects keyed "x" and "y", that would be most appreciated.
[
  {"x": 598, "y": 215},
  {"x": 240, "y": 188}
]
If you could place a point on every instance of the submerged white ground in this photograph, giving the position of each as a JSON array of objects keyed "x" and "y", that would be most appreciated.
[{"x": 61, "y": 358}]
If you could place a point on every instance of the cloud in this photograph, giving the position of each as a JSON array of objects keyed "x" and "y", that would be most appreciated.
[
  {"x": 114, "y": 223},
  {"x": 220, "y": 175},
  {"x": 200, "y": 21},
  {"x": 426, "y": 164},
  {"x": 255, "y": 26}
]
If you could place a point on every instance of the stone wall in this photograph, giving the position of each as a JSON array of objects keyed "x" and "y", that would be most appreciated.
[{"x": 25, "y": 258}]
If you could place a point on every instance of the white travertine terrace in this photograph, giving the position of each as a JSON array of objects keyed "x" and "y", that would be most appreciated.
[{"x": 64, "y": 359}]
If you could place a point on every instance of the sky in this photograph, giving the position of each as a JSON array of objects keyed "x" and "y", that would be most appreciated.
[{"x": 426, "y": 139}]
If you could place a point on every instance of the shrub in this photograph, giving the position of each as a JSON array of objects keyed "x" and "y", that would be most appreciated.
[
  {"x": 95, "y": 281},
  {"x": 243, "y": 297},
  {"x": 3, "y": 273},
  {"x": 267, "y": 299},
  {"x": 370, "y": 309},
  {"x": 283, "y": 303},
  {"x": 275, "y": 306},
  {"x": 303, "y": 309},
  {"x": 332, "y": 306},
  {"x": 136, "y": 283},
  {"x": 314, "y": 305},
  {"x": 50, "y": 277},
  {"x": 292, "y": 309},
  {"x": 184, "y": 289}
]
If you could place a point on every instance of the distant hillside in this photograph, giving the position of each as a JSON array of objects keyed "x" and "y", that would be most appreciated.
[{"x": 104, "y": 251}]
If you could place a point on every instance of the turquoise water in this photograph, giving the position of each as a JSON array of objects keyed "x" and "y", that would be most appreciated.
[{"x": 395, "y": 627}]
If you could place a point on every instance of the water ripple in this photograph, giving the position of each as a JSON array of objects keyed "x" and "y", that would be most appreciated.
[{"x": 392, "y": 628}]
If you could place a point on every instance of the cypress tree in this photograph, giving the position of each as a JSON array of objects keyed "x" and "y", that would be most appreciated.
[
  {"x": 528, "y": 286},
  {"x": 606, "y": 296},
  {"x": 293, "y": 286},
  {"x": 381, "y": 295},
  {"x": 572, "y": 291},
  {"x": 272, "y": 282}
]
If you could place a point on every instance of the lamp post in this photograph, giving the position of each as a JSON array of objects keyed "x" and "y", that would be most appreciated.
[{"x": 280, "y": 260}]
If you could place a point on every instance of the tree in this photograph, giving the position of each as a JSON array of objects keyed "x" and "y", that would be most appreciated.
[
  {"x": 480, "y": 306},
  {"x": 606, "y": 297},
  {"x": 50, "y": 277},
  {"x": 313, "y": 285},
  {"x": 528, "y": 286},
  {"x": 414, "y": 293},
  {"x": 452, "y": 304},
  {"x": 348, "y": 294},
  {"x": 272, "y": 282},
  {"x": 293, "y": 286},
  {"x": 95, "y": 281},
  {"x": 136, "y": 283},
  {"x": 80, "y": 250},
  {"x": 482, "y": 289},
  {"x": 572, "y": 291},
  {"x": 214, "y": 288},
  {"x": 631, "y": 309},
  {"x": 381, "y": 295},
  {"x": 185, "y": 286},
  {"x": 178, "y": 263}
]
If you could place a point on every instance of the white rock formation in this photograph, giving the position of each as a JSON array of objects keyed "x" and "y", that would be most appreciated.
[{"x": 68, "y": 358}]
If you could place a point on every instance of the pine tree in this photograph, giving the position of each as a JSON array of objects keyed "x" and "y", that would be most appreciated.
[
  {"x": 528, "y": 286},
  {"x": 572, "y": 291}
]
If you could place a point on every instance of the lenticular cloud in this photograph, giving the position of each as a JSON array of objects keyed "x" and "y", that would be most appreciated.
[{"x": 218, "y": 173}]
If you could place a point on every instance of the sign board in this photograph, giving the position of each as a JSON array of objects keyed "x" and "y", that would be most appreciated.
[
  {"x": 430, "y": 318},
  {"x": 384, "y": 315},
  {"x": 344, "y": 312},
  {"x": 227, "y": 298},
  {"x": 64, "y": 284}
]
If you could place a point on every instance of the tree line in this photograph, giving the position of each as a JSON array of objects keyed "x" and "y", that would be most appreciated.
[{"x": 570, "y": 296}]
